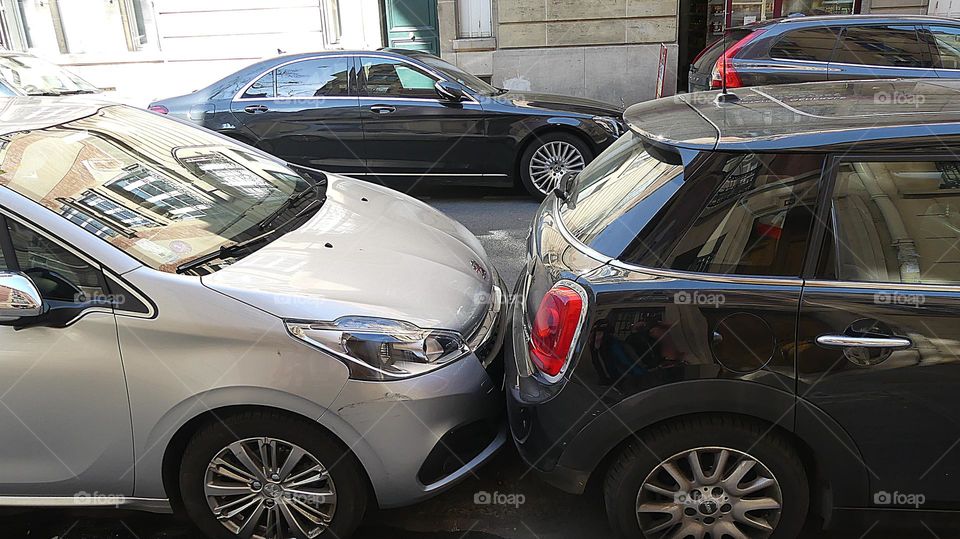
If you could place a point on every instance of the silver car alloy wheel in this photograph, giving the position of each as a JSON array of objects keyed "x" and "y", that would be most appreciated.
[
  {"x": 551, "y": 162},
  {"x": 709, "y": 491},
  {"x": 267, "y": 488}
]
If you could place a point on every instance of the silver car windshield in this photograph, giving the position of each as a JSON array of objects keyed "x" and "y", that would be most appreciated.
[
  {"x": 161, "y": 191},
  {"x": 33, "y": 76}
]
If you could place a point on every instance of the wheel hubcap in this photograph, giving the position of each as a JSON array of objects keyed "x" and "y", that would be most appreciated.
[
  {"x": 709, "y": 492},
  {"x": 266, "y": 488},
  {"x": 551, "y": 162}
]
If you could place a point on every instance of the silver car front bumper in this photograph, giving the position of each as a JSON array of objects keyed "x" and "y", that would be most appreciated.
[{"x": 400, "y": 429}]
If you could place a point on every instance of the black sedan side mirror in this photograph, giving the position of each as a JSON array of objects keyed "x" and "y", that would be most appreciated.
[{"x": 450, "y": 91}]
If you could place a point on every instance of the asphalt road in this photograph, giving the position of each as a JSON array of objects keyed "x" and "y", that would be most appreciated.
[{"x": 531, "y": 509}]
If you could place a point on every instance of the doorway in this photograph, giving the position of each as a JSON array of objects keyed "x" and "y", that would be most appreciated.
[{"x": 411, "y": 24}]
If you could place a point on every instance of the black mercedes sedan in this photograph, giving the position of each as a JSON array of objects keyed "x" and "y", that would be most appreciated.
[
  {"x": 745, "y": 314},
  {"x": 399, "y": 117}
]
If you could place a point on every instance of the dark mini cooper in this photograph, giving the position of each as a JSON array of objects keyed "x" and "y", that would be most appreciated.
[
  {"x": 745, "y": 314},
  {"x": 401, "y": 117}
]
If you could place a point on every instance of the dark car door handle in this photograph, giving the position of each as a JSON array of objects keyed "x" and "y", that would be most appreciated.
[
  {"x": 255, "y": 109},
  {"x": 383, "y": 109},
  {"x": 846, "y": 341}
]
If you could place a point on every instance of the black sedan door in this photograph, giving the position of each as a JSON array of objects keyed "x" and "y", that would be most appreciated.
[
  {"x": 878, "y": 334},
  {"x": 306, "y": 112},
  {"x": 409, "y": 132}
]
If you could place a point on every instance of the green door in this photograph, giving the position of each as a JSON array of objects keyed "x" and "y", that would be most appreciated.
[{"x": 412, "y": 24}]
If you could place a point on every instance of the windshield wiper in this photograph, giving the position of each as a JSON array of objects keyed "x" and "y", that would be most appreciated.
[
  {"x": 240, "y": 247},
  {"x": 223, "y": 252},
  {"x": 291, "y": 202}
]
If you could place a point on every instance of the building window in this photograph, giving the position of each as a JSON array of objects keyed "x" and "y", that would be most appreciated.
[
  {"x": 81, "y": 26},
  {"x": 331, "y": 21},
  {"x": 475, "y": 18}
]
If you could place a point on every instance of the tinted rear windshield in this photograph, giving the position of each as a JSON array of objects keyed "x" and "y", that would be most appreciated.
[
  {"x": 618, "y": 194},
  {"x": 708, "y": 58}
]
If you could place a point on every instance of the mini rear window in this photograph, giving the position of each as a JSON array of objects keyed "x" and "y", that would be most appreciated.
[{"x": 617, "y": 194}]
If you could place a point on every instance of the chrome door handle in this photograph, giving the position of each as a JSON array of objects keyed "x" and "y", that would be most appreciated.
[
  {"x": 383, "y": 109},
  {"x": 846, "y": 341},
  {"x": 255, "y": 109}
]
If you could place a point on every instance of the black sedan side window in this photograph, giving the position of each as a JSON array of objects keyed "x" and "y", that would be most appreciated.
[
  {"x": 319, "y": 77},
  {"x": 385, "y": 77},
  {"x": 263, "y": 88}
]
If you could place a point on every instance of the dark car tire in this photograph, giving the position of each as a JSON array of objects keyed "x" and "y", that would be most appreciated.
[
  {"x": 543, "y": 143},
  {"x": 639, "y": 459},
  {"x": 343, "y": 469}
]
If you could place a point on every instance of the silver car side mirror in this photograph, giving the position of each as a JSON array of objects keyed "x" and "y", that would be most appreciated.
[{"x": 19, "y": 297}]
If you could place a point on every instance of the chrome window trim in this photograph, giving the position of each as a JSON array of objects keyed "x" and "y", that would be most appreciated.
[
  {"x": 868, "y": 286},
  {"x": 238, "y": 95}
]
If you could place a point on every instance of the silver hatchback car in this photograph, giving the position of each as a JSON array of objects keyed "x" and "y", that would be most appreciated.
[{"x": 188, "y": 322}]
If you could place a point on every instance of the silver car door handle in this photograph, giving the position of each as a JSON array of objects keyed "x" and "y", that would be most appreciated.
[
  {"x": 255, "y": 109},
  {"x": 383, "y": 109},
  {"x": 845, "y": 341}
]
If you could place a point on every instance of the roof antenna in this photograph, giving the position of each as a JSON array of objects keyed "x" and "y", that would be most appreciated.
[{"x": 724, "y": 96}]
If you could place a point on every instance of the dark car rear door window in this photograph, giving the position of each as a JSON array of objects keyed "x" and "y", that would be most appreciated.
[
  {"x": 807, "y": 44},
  {"x": 741, "y": 214},
  {"x": 893, "y": 223},
  {"x": 263, "y": 88},
  {"x": 318, "y": 77},
  {"x": 946, "y": 39},
  {"x": 882, "y": 46}
]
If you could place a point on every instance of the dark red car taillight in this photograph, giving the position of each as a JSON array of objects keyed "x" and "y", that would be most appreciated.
[
  {"x": 724, "y": 67},
  {"x": 554, "y": 328},
  {"x": 159, "y": 109}
]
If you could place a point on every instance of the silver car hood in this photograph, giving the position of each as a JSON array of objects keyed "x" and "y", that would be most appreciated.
[{"x": 368, "y": 251}]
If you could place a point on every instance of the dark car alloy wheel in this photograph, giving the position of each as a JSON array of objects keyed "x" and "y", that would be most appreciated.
[
  {"x": 549, "y": 158},
  {"x": 710, "y": 490}
]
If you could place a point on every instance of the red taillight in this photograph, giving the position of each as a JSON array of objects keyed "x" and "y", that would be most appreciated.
[
  {"x": 159, "y": 109},
  {"x": 554, "y": 327},
  {"x": 724, "y": 66}
]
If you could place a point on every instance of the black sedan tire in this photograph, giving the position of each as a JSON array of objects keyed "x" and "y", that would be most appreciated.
[
  {"x": 550, "y": 156},
  {"x": 716, "y": 476}
]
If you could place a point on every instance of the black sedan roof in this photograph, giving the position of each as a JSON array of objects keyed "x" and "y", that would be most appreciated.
[{"x": 822, "y": 115}]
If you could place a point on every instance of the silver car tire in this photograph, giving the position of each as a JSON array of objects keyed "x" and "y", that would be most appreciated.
[
  {"x": 265, "y": 475},
  {"x": 708, "y": 476}
]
